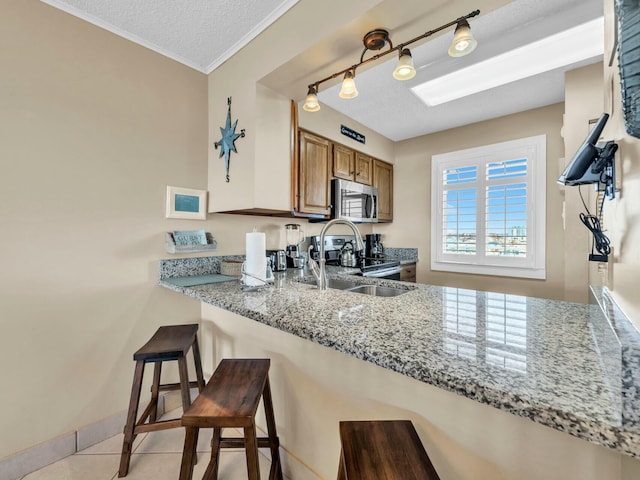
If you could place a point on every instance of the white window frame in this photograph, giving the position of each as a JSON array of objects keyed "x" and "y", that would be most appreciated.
[{"x": 533, "y": 265}]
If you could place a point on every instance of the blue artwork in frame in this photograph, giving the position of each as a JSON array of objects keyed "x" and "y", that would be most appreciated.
[{"x": 186, "y": 203}]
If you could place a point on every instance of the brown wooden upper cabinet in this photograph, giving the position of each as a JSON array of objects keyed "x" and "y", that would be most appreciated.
[
  {"x": 383, "y": 179},
  {"x": 364, "y": 169},
  {"x": 318, "y": 159},
  {"x": 314, "y": 181},
  {"x": 351, "y": 165}
]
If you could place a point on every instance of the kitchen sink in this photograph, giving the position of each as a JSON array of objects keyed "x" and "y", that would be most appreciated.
[
  {"x": 374, "y": 290},
  {"x": 377, "y": 290},
  {"x": 336, "y": 283}
]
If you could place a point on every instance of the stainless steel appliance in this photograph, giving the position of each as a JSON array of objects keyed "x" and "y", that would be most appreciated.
[
  {"x": 293, "y": 236},
  {"x": 369, "y": 267},
  {"x": 348, "y": 257},
  {"x": 354, "y": 201},
  {"x": 278, "y": 260},
  {"x": 374, "y": 248}
]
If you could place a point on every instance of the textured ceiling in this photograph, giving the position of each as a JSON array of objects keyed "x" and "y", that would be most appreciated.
[{"x": 199, "y": 33}]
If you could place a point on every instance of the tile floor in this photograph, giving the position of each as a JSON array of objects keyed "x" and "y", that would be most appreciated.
[{"x": 156, "y": 456}]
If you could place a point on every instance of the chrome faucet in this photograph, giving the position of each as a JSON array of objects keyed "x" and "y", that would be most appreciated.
[{"x": 319, "y": 271}]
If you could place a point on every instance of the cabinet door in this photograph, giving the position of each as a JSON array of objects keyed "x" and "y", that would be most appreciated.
[
  {"x": 315, "y": 174},
  {"x": 343, "y": 162},
  {"x": 383, "y": 179},
  {"x": 364, "y": 173}
]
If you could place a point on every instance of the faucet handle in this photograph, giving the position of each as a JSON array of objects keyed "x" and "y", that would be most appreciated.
[{"x": 313, "y": 264}]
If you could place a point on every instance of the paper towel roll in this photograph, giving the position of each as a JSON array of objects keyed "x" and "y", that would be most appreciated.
[{"x": 256, "y": 258}]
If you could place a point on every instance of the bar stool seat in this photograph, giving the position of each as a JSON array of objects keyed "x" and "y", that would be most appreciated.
[
  {"x": 230, "y": 400},
  {"x": 383, "y": 450},
  {"x": 169, "y": 343}
]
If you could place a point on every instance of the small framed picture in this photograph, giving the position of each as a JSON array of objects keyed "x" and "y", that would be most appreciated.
[{"x": 186, "y": 203}]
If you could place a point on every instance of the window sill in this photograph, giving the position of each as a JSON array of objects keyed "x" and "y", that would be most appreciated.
[{"x": 516, "y": 272}]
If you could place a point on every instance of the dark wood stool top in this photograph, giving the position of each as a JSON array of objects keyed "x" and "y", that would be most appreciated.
[
  {"x": 230, "y": 400},
  {"x": 232, "y": 395},
  {"x": 168, "y": 343},
  {"x": 383, "y": 450}
]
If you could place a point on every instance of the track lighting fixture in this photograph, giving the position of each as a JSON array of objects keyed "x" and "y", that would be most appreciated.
[{"x": 463, "y": 44}]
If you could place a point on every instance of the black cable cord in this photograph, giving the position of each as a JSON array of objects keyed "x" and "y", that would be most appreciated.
[{"x": 600, "y": 241}]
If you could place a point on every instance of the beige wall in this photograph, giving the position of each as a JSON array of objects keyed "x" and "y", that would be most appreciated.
[
  {"x": 263, "y": 158},
  {"x": 583, "y": 102},
  {"x": 622, "y": 216},
  {"x": 327, "y": 124},
  {"x": 411, "y": 225},
  {"x": 92, "y": 129}
]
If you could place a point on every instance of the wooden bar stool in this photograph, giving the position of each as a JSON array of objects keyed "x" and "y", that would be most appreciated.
[
  {"x": 230, "y": 400},
  {"x": 167, "y": 344},
  {"x": 383, "y": 450}
]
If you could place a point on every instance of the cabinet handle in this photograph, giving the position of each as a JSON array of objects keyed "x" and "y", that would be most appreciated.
[
  {"x": 351, "y": 173},
  {"x": 358, "y": 174}
]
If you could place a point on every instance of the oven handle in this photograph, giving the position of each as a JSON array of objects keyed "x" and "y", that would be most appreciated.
[{"x": 383, "y": 272}]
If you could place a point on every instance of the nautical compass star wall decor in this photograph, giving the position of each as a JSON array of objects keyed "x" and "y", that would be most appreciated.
[{"x": 227, "y": 143}]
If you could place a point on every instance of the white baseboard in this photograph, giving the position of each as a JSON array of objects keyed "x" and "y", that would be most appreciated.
[{"x": 34, "y": 458}]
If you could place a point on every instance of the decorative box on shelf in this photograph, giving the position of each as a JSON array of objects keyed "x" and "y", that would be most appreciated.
[{"x": 194, "y": 243}]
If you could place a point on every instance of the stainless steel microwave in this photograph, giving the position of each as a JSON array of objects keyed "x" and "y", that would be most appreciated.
[{"x": 354, "y": 201}]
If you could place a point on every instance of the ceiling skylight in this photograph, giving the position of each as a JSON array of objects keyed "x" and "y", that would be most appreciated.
[{"x": 576, "y": 44}]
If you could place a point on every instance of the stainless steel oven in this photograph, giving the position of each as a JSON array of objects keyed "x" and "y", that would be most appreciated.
[
  {"x": 389, "y": 269},
  {"x": 369, "y": 267},
  {"x": 354, "y": 201}
]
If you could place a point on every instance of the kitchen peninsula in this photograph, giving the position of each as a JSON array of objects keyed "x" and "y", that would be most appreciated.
[{"x": 470, "y": 368}]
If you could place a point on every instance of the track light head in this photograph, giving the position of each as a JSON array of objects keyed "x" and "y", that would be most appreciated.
[
  {"x": 463, "y": 42},
  {"x": 311, "y": 103},
  {"x": 405, "y": 69}
]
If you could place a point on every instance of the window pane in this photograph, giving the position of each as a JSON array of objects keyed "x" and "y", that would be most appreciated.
[
  {"x": 507, "y": 169},
  {"x": 453, "y": 176},
  {"x": 459, "y": 221},
  {"x": 506, "y": 220}
]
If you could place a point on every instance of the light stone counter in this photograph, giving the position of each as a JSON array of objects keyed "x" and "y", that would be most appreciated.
[{"x": 565, "y": 365}]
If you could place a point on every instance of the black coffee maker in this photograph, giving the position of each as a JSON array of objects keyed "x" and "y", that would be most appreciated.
[{"x": 374, "y": 248}]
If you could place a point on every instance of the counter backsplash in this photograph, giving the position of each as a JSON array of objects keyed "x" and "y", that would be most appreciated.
[{"x": 187, "y": 267}]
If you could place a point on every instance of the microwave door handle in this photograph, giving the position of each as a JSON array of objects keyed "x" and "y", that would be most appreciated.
[
  {"x": 368, "y": 204},
  {"x": 372, "y": 199}
]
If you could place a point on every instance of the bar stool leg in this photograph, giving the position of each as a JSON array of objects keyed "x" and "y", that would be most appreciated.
[
  {"x": 251, "y": 448},
  {"x": 132, "y": 414},
  {"x": 275, "y": 473},
  {"x": 189, "y": 453},
  {"x": 198, "y": 364},
  {"x": 184, "y": 383},
  {"x": 155, "y": 391},
  {"x": 341, "y": 474},
  {"x": 212, "y": 469}
]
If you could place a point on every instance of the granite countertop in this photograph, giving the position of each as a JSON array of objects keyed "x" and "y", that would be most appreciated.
[
  {"x": 565, "y": 365},
  {"x": 406, "y": 256}
]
